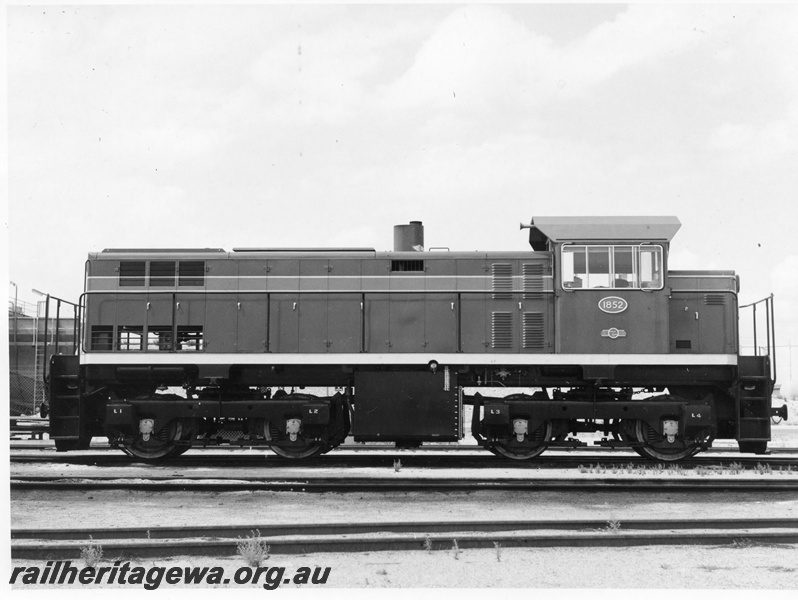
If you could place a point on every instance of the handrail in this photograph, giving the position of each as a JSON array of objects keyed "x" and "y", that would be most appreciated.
[
  {"x": 76, "y": 327},
  {"x": 770, "y": 327}
]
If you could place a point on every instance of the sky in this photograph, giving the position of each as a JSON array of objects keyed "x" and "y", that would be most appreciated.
[{"x": 326, "y": 125}]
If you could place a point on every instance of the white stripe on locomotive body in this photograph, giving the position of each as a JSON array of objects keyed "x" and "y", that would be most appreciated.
[
  {"x": 364, "y": 359},
  {"x": 102, "y": 281},
  {"x": 323, "y": 283},
  {"x": 700, "y": 276},
  {"x": 401, "y": 275}
]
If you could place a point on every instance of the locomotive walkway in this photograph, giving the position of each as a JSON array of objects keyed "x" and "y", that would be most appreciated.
[{"x": 59, "y": 544}]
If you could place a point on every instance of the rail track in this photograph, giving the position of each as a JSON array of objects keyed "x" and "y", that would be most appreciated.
[
  {"x": 48, "y": 446},
  {"x": 385, "y": 483},
  {"x": 159, "y": 542},
  {"x": 427, "y": 460}
]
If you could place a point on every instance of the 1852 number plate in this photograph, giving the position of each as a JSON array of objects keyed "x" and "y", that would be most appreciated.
[{"x": 613, "y": 304}]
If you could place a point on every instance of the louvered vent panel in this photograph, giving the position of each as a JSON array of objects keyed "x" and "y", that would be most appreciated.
[
  {"x": 131, "y": 273},
  {"x": 502, "y": 275},
  {"x": 407, "y": 265},
  {"x": 534, "y": 331},
  {"x": 191, "y": 273},
  {"x": 714, "y": 299},
  {"x": 502, "y": 328},
  {"x": 162, "y": 273},
  {"x": 533, "y": 281}
]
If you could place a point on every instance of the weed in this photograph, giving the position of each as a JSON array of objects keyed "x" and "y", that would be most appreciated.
[
  {"x": 498, "y": 547},
  {"x": 613, "y": 526},
  {"x": 428, "y": 544},
  {"x": 742, "y": 544},
  {"x": 780, "y": 569},
  {"x": 382, "y": 572},
  {"x": 712, "y": 568},
  {"x": 764, "y": 469},
  {"x": 456, "y": 550},
  {"x": 582, "y": 469},
  {"x": 253, "y": 549},
  {"x": 91, "y": 553},
  {"x": 397, "y": 465},
  {"x": 736, "y": 468},
  {"x": 675, "y": 470}
]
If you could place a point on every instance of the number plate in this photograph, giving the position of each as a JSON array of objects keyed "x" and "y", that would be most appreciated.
[{"x": 613, "y": 305}]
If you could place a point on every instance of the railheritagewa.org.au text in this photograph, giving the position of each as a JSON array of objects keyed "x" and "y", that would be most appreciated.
[{"x": 151, "y": 578}]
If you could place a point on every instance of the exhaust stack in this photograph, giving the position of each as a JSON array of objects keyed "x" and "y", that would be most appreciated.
[{"x": 408, "y": 238}]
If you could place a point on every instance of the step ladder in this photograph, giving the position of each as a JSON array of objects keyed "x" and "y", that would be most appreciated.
[
  {"x": 753, "y": 400},
  {"x": 64, "y": 400}
]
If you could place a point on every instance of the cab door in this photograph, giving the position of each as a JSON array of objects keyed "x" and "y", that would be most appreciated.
[{"x": 611, "y": 299}]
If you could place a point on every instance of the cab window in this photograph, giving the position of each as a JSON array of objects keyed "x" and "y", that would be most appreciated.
[{"x": 622, "y": 266}]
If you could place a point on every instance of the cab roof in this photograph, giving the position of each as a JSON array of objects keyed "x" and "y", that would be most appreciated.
[{"x": 600, "y": 229}]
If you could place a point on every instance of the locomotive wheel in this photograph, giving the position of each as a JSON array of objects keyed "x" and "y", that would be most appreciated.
[
  {"x": 162, "y": 444},
  {"x": 624, "y": 434},
  {"x": 190, "y": 431},
  {"x": 302, "y": 448},
  {"x": 309, "y": 452},
  {"x": 654, "y": 447},
  {"x": 533, "y": 446}
]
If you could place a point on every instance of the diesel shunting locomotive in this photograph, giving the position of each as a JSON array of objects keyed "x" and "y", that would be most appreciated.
[{"x": 588, "y": 331}]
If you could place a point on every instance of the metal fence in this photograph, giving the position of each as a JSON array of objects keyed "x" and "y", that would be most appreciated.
[{"x": 26, "y": 352}]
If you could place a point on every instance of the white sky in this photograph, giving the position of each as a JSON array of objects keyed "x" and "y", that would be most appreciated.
[{"x": 236, "y": 126}]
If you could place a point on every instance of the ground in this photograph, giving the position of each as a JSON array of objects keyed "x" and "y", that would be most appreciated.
[
  {"x": 655, "y": 568},
  {"x": 741, "y": 566}
]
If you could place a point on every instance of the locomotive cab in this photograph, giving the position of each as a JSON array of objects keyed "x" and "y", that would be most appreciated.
[{"x": 610, "y": 282}]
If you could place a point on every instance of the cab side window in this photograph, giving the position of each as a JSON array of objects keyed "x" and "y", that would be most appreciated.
[
  {"x": 611, "y": 267},
  {"x": 624, "y": 271},
  {"x": 651, "y": 267}
]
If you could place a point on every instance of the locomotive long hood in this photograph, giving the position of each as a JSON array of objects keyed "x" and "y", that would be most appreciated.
[{"x": 588, "y": 229}]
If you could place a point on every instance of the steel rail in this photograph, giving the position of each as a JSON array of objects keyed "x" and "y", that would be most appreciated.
[
  {"x": 285, "y": 529},
  {"x": 476, "y": 460},
  {"x": 47, "y": 445},
  {"x": 353, "y": 537},
  {"x": 404, "y": 484}
]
